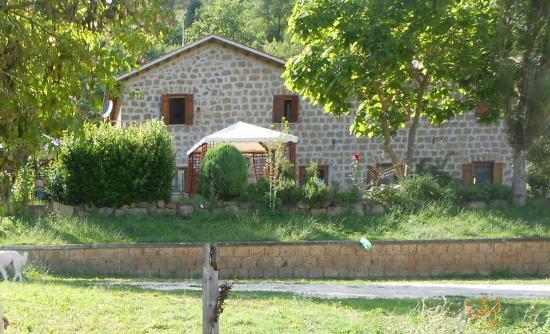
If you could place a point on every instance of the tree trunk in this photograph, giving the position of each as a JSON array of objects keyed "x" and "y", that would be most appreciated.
[
  {"x": 411, "y": 140},
  {"x": 519, "y": 181}
]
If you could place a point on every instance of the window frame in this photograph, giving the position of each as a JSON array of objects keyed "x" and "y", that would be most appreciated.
[
  {"x": 189, "y": 108},
  {"x": 320, "y": 168},
  {"x": 182, "y": 182},
  {"x": 279, "y": 108},
  {"x": 490, "y": 164}
]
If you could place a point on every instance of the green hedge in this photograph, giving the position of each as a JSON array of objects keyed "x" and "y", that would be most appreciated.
[
  {"x": 224, "y": 173},
  {"x": 111, "y": 166}
]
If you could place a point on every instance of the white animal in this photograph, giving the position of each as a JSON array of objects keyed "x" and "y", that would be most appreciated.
[{"x": 15, "y": 259}]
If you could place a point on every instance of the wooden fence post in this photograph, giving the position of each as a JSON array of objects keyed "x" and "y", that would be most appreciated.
[{"x": 210, "y": 289}]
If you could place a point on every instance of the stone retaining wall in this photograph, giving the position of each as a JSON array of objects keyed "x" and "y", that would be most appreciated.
[{"x": 315, "y": 259}]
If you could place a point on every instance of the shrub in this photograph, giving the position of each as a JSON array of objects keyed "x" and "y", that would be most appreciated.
[
  {"x": 23, "y": 189},
  {"x": 315, "y": 192},
  {"x": 111, "y": 166},
  {"x": 285, "y": 185},
  {"x": 224, "y": 173},
  {"x": 346, "y": 198},
  {"x": 419, "y": 189},
  {"x": 497, "y": 191},
  {"x": 257, "y": 193}
]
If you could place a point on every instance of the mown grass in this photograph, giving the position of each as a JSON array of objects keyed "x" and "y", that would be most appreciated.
[
  {"x": 431, "y": 222},
  {"x": 49, "y": 304}
]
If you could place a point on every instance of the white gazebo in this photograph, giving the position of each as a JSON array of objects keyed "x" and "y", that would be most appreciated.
[{"x": 253, "y": 141}]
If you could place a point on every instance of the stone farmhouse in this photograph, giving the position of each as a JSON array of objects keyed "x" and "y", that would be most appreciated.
[{"x": 213, "y": 83}]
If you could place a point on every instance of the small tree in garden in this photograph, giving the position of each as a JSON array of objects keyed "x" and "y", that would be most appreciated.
[
  {"x": 389, "y": 63},
  {"x": 279, "y": 169},
  {"x": 315, "y": 191},
  {"x": 224, "y": 173}
]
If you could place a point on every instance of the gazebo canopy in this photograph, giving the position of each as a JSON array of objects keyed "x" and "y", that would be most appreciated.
[{"x": 246, "y": 137}]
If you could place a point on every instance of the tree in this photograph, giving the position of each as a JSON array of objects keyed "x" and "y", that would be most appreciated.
[
  {"x": 389, "y": 63},
  {"x": 233, "y": 19},
  {"x": 57, "y": 60},
  {"x": 518, "y": 84}
]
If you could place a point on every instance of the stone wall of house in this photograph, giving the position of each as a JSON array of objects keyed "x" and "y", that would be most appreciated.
[
  {"x": 230, "y": 86},
  {"x": 315, "y": 259}
]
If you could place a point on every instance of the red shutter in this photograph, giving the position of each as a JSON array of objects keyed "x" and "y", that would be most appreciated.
[
  {"x": 189, "y": 110},
  {"x": 497, "y": 173},
  {"x": 278, "y": 108},
  {"x": 166, "y": 109},
  {"x": 468, "y": 174},
  {"x": 295, "y": 109}
]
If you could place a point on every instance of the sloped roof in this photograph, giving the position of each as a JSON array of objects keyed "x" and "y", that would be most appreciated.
[
  {"x": 246, "y": 137},
  {"x": 209, "y": 39}
]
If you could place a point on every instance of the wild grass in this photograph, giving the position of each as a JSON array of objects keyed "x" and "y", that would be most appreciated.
[
  {"x": 47, "y": 304},
  {"x": 430, "y": 222}
]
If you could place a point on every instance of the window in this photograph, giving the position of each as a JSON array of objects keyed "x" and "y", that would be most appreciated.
[
  {"x": 481, "y": 173},
  {"x": 285, "y": 106},
  {"x": 177, "y": 109},
  {"x": 322, "y": 173},
  {"x": 179, "y": 181}
]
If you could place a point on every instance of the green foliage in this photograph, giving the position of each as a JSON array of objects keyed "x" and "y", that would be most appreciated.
[
  {"x": 24, "y": 187},
  {"x": 485, "y": 193},
  {"x": 420, "y": 189},
  {"x": 257, "y": 193},
  {"x": 112, "y": 166},
  {"x": 261, "y": 24},
  {"x": 398, "y": 60},
  {"x": 224, "y": 173},
  {"x": 315, "y": 192},
  {"x": 59, "y": 58},
  {"x": 539, "y": 167}
]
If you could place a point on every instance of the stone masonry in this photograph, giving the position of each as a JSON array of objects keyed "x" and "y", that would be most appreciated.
[
  {"x": 314, "y": 259},
  {"x": 231, "y": 85}
]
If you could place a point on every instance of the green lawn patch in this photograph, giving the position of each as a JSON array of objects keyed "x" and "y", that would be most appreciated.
[
  {"x": 63, "y": 305},
  {"x": 431, "y": 222}
]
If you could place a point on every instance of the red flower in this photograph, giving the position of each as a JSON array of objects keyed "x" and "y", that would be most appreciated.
[{"x": 356, "y": 156}]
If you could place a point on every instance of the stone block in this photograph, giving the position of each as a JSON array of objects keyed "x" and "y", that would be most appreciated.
[
  {"x": 185, "y": 210},
  {"x": 376, "y": 209},
  {"x": 233, "y": 208},
  {"x": 320, "y": 211},
  {"x": 476, "y": 205},
  {"x": 136, "y": 211},
  {"x": 498, "y": 203},
  {"x": 105, "y": 211},
  {"x": 160, "y": 204},
  {"x": 166, "y": 211},
  {"x": 63, "y": 209},
  {"x": 120, "y": 212},
  {"x": 358, "y": 209},
  {"x": 336, "y": 210},
  {"x": 171, "y": 206}
]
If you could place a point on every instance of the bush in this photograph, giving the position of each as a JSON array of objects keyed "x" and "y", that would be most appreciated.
[
  {"x": 23, "y": 189},
  {"x": 315, "y": 192},
  {"x": 419, "y": 189},
  {"x": 346, "y": 198},
  {"x": 111, "y": 166},
  {"x": 485, "y": 193},
  {"x": 224, "y": 173}
]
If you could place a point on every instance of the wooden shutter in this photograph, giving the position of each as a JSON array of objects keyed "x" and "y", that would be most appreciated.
[
  {"x": 371, "y": 174},
  {"x": 278, "y": 108},
  {"x": 166, "y": 109},
  {"x": 497, "y": 173},
  {"x": 325, "y": 173},
  {"x": 301, "y": 173},
  {"x": 292, "y": 153},
  {"x": 189, "y": 110},
  {"x": 295, "y": 109},
  {"x": 468, "y": 174}
]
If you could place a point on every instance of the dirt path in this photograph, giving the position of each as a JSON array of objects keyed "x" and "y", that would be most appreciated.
[{"x": 368, "y": 291}]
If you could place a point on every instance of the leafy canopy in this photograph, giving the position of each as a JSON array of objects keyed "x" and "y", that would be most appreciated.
[
  {"x": 57, "y": 60},
  {"x": 386, "y": 60}
]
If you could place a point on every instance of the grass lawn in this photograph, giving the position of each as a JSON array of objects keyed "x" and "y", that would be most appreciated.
[
  {"x": 63, "y": 305},
  {"x": 432, "y": 222}
]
